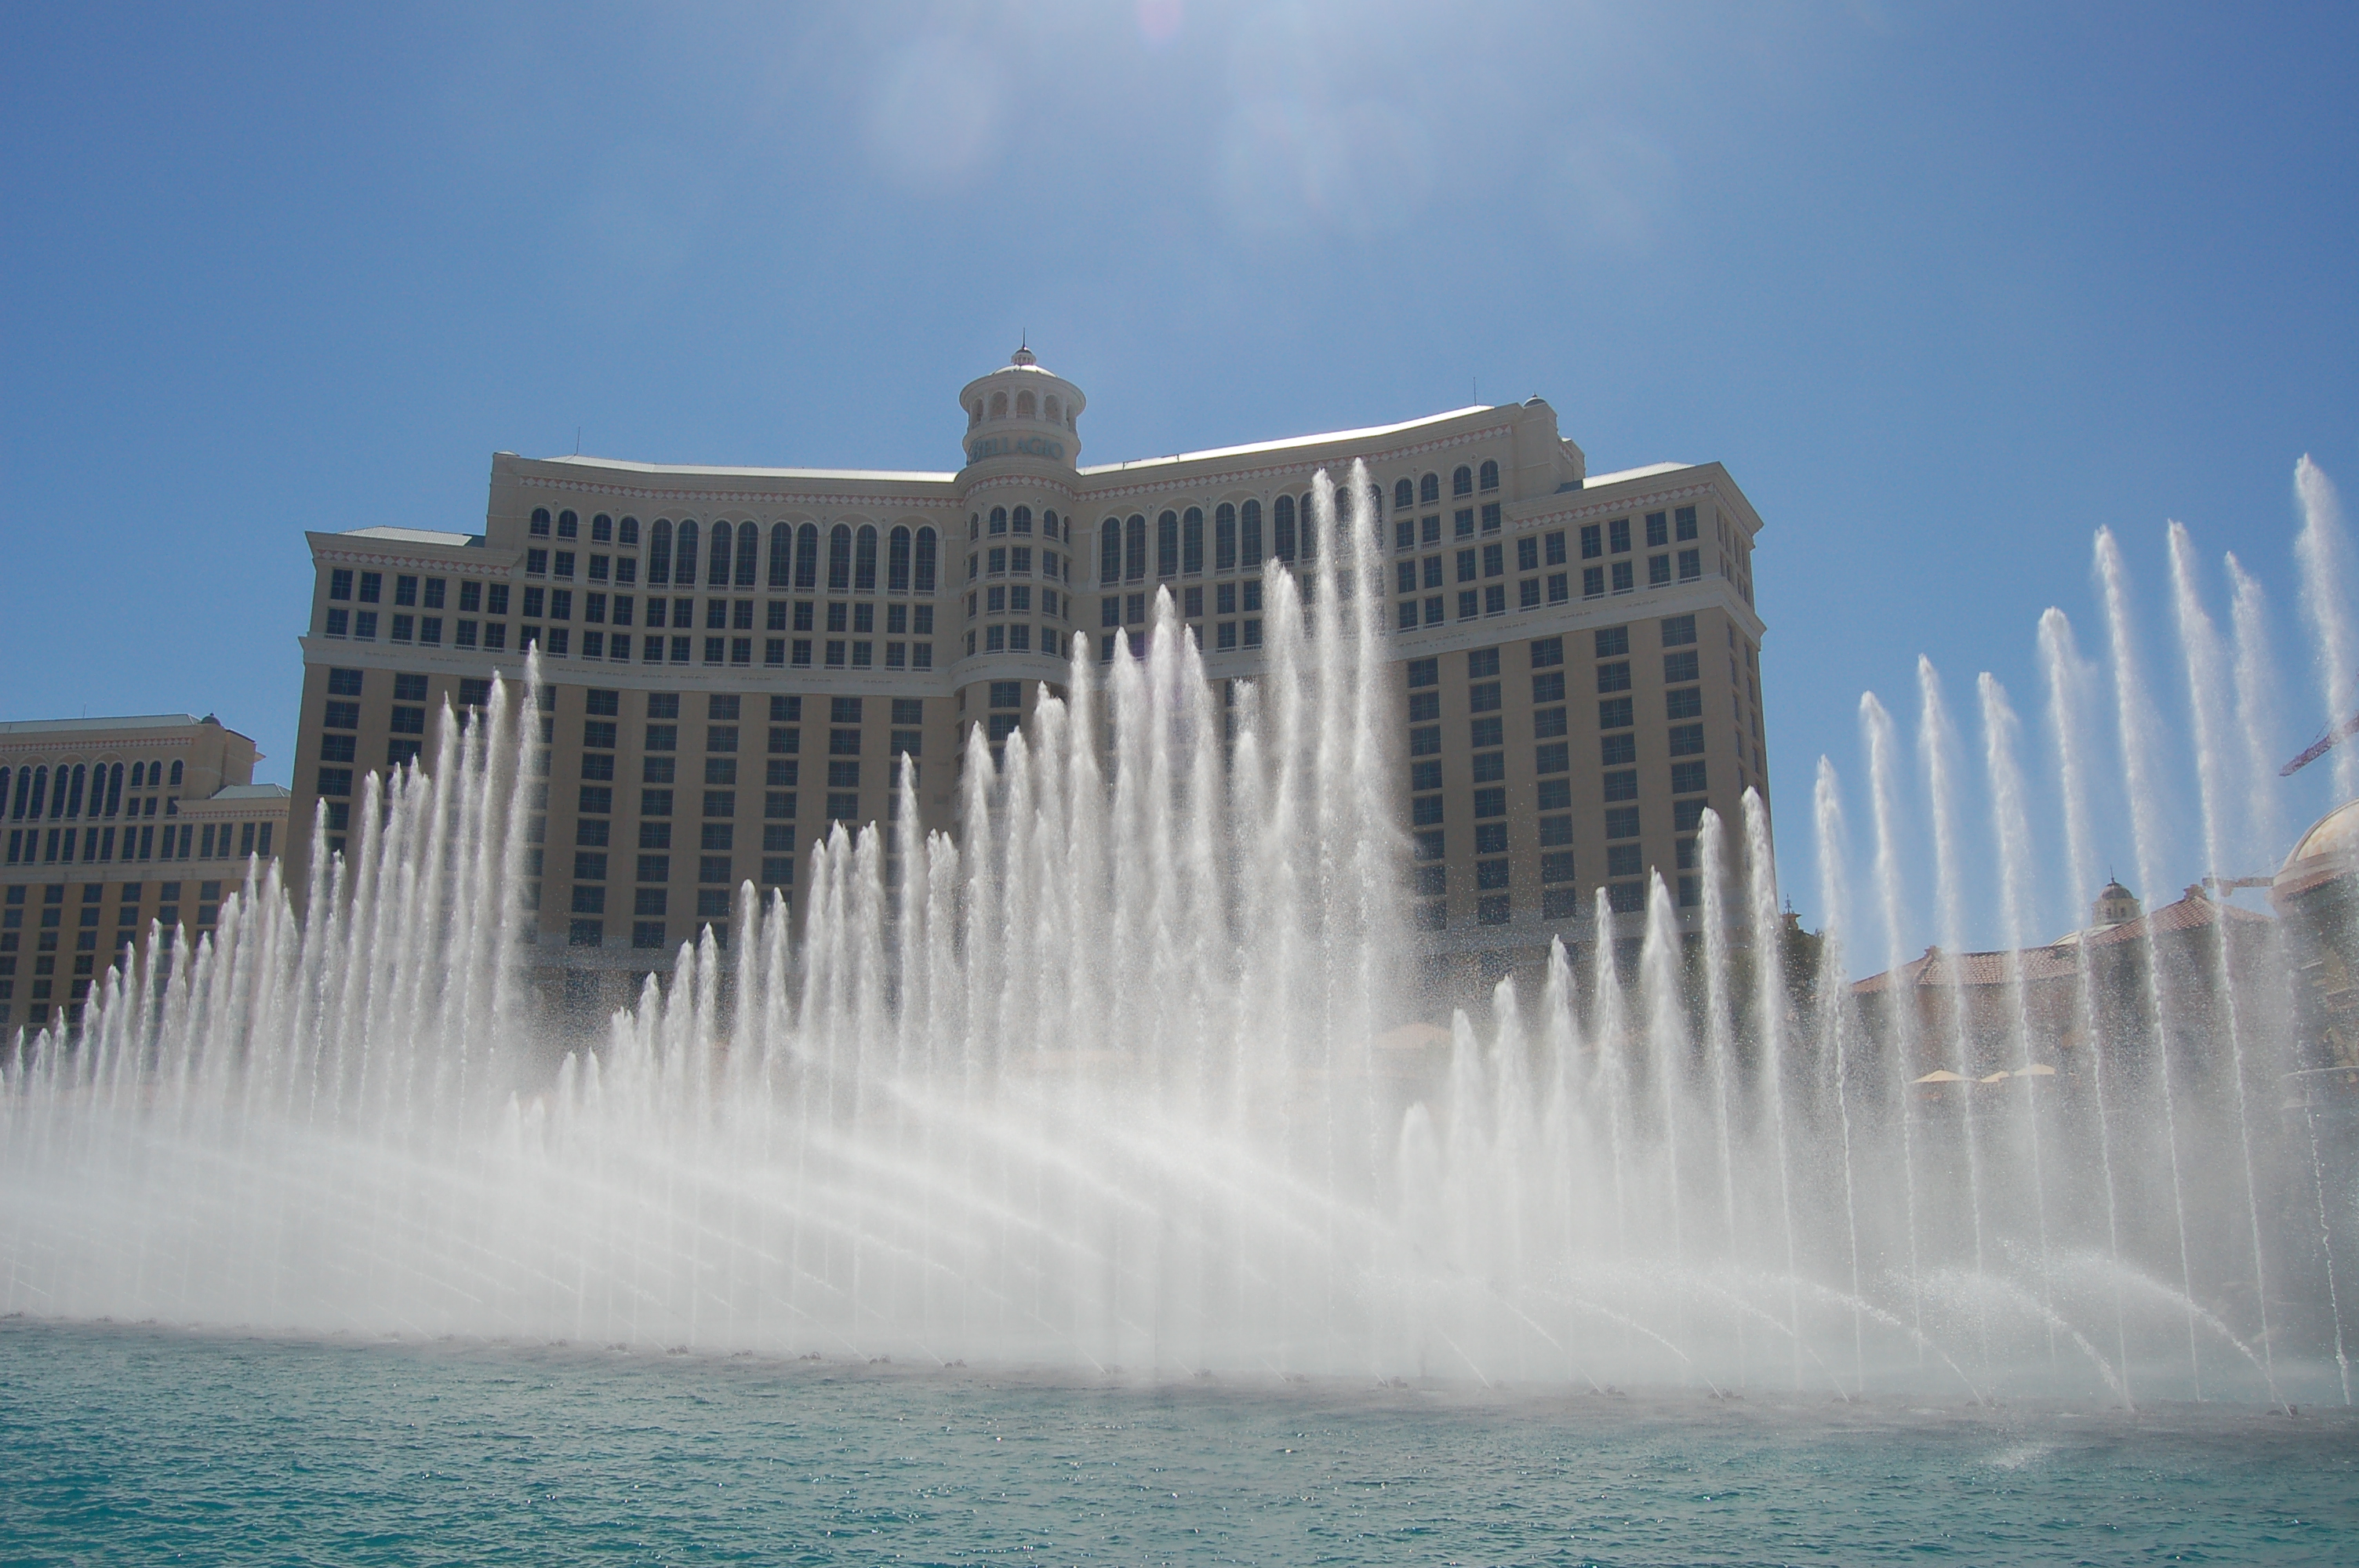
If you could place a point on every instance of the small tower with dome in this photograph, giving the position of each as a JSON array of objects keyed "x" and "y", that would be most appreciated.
[{"x": 1023, "y": 415}]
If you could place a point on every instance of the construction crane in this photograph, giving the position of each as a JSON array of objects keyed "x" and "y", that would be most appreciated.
[{"x": 2328, "y": 739}]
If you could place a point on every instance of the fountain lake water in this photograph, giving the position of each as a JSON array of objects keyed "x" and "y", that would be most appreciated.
[{"x": 1115, "y": 1082}]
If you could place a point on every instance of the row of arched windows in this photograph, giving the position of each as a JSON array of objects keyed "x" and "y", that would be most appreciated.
[
  {"x": 1237, "y": 538},
  {"x": 1018, "y": 521},
  {"x": 34, "y": 791},
  {"x": 734, "y": 555},
  {"x": 1427, "y": 491},
  {"x": 603, "y": 528},
  {"x": 1047, "y": 408}
]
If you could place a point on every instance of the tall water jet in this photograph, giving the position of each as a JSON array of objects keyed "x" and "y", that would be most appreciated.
[
  {"x": 1901, "y": 1021},
  {"x": 2135, "y": 728},
  {"x": 2325, "y": 551},
  {"x": 2206, "y": 680}
]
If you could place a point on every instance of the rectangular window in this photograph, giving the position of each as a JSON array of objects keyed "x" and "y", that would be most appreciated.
[
  {"x": 1592, "y": 544},
  {"x": 1678, "y": 631},
  {"x": 1494, "y": 560},
  {"x": 495, "y": 600},
  {"x": 1613, "y": 713},
  {"x": 1425, "y": 810},
  {"x": 1613, "y": 675},
  {"x": 1622, "y": 822},
  {"x": 1686, "y": 816},
  {"x": 1483, "y": 698},
  {"x": 1683, "y": 702},
  {"x": 1617, "y": 536},
  {"x": 1490, "y": 767},
  {"x": 720, "y": 803},
  {"x": 1425, "y": 741},
  {"x": 1550, "y": 759},
  {"x": 1691, "y": 568},
  {"x": 1658, "y": 570},
  {"x": 1484, "y": 732},
  {"x": 1555, "y": 830},
  {"x": 1466, "y": 566},
  {"x": 1560, "y": 588},
  {"x": 1687, "y": 522},
  {"x": 1618, "y": 751},
  {"x": 1462, "y": 522},
  {"x": 1687, "y": 740},
  {"x": 1658, "y": 531},
  {"x": 1625, "y": 861},
  {"x": 1549, "y": 687},
  {"x": 597, "y": 798},
  {"x": 1687, "y": 778},
  {"x": 1548, "y": 723},
  {"x": 1528, "y": 594},
  {"x": 1622, "y": 784},
  {"x": 1592, "y": 582},
  {"x": 1490, "y": 803},
  {"x": 1492, "y": 911},
  {"x": 1622, "y": 579},
  {"x": 1425, "y": 775}
]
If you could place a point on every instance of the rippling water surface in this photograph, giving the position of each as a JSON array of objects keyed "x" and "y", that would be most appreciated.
[{"x": 126, "y": 1444}]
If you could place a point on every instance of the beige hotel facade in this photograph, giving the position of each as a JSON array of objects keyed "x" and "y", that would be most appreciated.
[{"x": 736, "y": 654}]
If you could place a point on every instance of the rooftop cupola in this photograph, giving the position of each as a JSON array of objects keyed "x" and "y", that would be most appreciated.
[{"x": 1023, "y": 412}]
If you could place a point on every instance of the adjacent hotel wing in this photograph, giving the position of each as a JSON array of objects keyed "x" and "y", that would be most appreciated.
[
  {"x": 111, "y": 824},
  {"x": 735, "y": 654}
]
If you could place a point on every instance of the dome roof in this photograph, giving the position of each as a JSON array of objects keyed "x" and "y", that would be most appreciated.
[{"x": 2329, "y": 850}]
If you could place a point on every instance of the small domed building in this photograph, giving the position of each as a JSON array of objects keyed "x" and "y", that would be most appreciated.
[{"x": 2316, "y": 895}]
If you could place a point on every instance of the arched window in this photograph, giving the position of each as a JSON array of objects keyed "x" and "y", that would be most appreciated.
[
  {"x": 999, "y": 520},
  {"x": 1134, "y": 551},
  {"x": 40, "y": 794},
  {"x": 1490, "y": 474},
  {"x": 1463, "y": 482},
  {"x": 839, "y": 558},
  {"x": 974, "y": 413},
  {"x": 72, "y": 792},
  {"x": 896, "y": 561},
  {"x": 601, "y": 529},
  {"x": 1020, "y": 520},
  {"x": 5, "y": 774},
  {"x": 974, "y": 525},
  {"x": 138, "y": 775},
  {"x": 1191, "y": 541},
  {"x": 864, "y": 561},
  {"x": 1025, "y": 406},
  {"x": 1167, "y": 545},
  {"x": 1404, "y": 496},
  {"x": 999, "y": 405},
  {"x": 925, "y": 560},
  {"x": 807, "y": 555},
  {"x": 722, "y": 542},
  {"x": 541, "y": 521},
  {"x": 568, "y": 526},
  {"x": 1225, "y": 537},
  {"x": 1281, "y": 529},
  {"x": 1109, "y": 551},
  {"x": 660, "y": 552},
  {"x": 1310, "y": 526},
  {"x": 1249, "y": 553},
  {"x": 684, "y": 554},
  {"x": 176, "y": 773},
  {"x": 1428, "y": 489},
  {"x": 1050, "y": 406},
  {"x": 749, "y": 546},
  {"x": 782, "y": 554},
  {"x": 629, "y": 535},
  {"x": 113, "y": 789},
  {"x": 1048, "y": 526}
]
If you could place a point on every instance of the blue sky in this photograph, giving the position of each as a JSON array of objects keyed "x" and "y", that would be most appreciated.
[{"x": 1947, "y": 287}]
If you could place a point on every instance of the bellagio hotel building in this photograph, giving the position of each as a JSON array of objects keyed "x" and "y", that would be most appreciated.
[{"x": 733, "y": 656}]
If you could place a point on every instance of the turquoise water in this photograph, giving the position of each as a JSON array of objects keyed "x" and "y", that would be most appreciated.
[{"x": 136, "y": 1444}]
